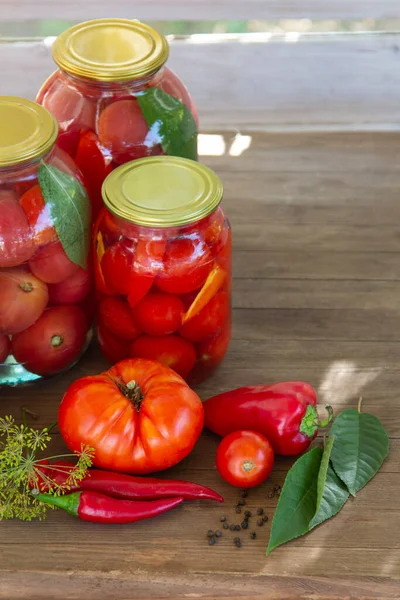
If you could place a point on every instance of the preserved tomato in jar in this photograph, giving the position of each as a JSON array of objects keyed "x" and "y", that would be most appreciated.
[
  {"x": 45, "y": 223},
  {"x": 115, "y": 100},
  {"x": 162, "y": 248}
]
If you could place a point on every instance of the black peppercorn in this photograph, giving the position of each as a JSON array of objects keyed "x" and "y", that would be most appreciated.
[
  {"x": 222, "y": 519},
  {"x": 247, "y": 513},
  {"x": 260, "y": 511},
  {"x": 225, "y": 526},
  {"x": 210, "y": 533},
  {"x": 232, "y": 527},
  {"x": 245, "y": 524},
  {"x": 241, "y": 503},
  {"x": 265, "y": 518},
  {"x": 244, "y": 493},
  {"x": 238, "y": 510},
  {"x": 237, "y": 542},
  {"x": 253, "y": 535},
  {"x": 237, "y": 527},
  {"x": 218, "y": 533},
  {"x": 260, "y": 522},
  {"x": 211, "y": 541}
]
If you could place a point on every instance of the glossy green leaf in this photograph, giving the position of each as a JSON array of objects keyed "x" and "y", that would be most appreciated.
[
  {"x": 360, "y": 447},
  {"x": 331, "y": 491},
  {"x": 70, "y": 211},
  {"x": 298, "y": 500},
  {"x": 170, "y": 122}
]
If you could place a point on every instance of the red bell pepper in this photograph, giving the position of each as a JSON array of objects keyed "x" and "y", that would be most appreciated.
[
  {"x": 98, "y": 508},
  {"x": 285, "y": 413}
]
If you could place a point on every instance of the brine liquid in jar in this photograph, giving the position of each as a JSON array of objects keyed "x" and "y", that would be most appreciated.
[
  {"x": 163, "y": 266},
  {"x": 46, "y": 304}
]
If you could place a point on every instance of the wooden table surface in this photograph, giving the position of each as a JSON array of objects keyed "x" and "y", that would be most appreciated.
[{"x": 315, "y": 297}]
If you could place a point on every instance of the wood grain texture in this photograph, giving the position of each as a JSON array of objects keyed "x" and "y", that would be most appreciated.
[
  {"x": 13, "y": 10},
  {"x": 315, "y": 297},
  {"x": 349, "y": 83}
]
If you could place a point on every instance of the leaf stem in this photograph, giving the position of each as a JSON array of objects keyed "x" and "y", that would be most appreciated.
[
  {"x": 359, "y": 404},
  {"x": 329, "y": 418}
]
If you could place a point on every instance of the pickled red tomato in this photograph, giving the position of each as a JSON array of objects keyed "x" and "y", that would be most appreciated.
[
  {"x": 211, "y": 352},
  {"x": 69, "y": 104},
  {"x": 171, "y": 84},
  {"x": 113, "y": 348},
  {"x": 116, "y": 266},
  {"x": 4, "y": 347},
  {"x": 54, "y": 342},
  {"x": 94, "y": 166},
  {"x": 16, "y": 240},
  {"x": 51, "y": 264},
  {"x": 23, "y": 299},
  {"x": 72, "y": 290},
  {"x": 159, "y": 313},
  {"x": 187, "y": 263},
  {"x": 38, "y": 215},
  {"x": 171, "y": 350},
  {"x": 122, "y": 127},
  {"x": 148, "y": 261},
  {"x": 116, "y": 315},
  {"x": 209, "y": 320}
]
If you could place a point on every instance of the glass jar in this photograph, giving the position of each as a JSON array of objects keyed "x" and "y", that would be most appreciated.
[
  {"x": 163, "y": 266},
  {"x": 45, "y": 284},
  {"x": 115, "y": 100}
]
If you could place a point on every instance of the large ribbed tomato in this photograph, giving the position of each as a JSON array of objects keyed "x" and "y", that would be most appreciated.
[{"x": 139, "y": 416}]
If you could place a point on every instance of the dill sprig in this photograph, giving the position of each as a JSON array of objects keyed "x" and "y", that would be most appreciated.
[{"x": 21, "y": 470}]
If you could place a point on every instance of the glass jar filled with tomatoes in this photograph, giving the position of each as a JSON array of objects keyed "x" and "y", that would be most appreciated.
[
  {"x": 115, "y": 100},
  {"x": 163, "y": 268},
  {"x": 45, "y": 283}
]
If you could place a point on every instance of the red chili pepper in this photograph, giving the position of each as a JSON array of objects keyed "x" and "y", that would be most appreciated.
[
  {"x": 98, "y": 508},
  {"x": 284, "y": 412},
  {"x": 119, "y": 485}
]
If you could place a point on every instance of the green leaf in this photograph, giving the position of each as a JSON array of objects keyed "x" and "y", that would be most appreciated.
[
  {"x": 170, "y": 122},
  {"x": 331, "y": 491},
  {"x": 298, "y": 500},
  {"x": 70, "y": 211},
  {"x": 360, "y": 447}
]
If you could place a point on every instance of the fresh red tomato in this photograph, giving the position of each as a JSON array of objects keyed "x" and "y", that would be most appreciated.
[
  {"x": 23, "y": 298},
  {"x": 51, "y": 264},
  {"x": 68, "y": 103},
  {"x": 171, "y": 350},
  {"x": 16, "y": 240},
  {"x": 187, "y": 263},
  {"x": 245, "y": 458},
  {"x": 116, "y": 315},
  {"x": 72, "y": 290},
  {"x": 114, "y": 349},
  {"x": 171, "y": 84},
  {"x": 94, "y": 166},
  {"x": 212, "y": 352},
  {"x": 38, "y": 215},
  {"x": 4, "y": 347},
  {"x": 209, "y": 320},
  {"x": 54, "y": 342},
  {"x": 147, "y": 263},
  {"x": 159, "y": 313},
  {"x": 122, "y": 129},
  {"x": 116, "y": 265},
  {"x": 139, "y": 417}
]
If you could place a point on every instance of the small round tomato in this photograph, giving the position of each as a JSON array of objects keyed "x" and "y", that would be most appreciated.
[
  {"x": 114, "y": 349},
  {"x": 139, "y": 417},
  {"x": 94, "y": 166},
  {"x": 159, "y": 314},
  {"x": 54, "y": 342},
  {"x": 187, "y": 263},
  {"x": 68, "y": 103},
  {"x": 116, "y": 315},
  {"x": 211, "y": 352},
  {"x": 147, "y": 263},
  {"x": 38, "y": 215},
  {"x": 23, "y": 298},
  {"x": 72, "y": 290},
  {"x": 171, "y": 350},
  {"x": 16, "y": 240},
  {"x": 245, "y": 458},
  {"x": 116, "y": 265},
  {"x": 209, "y": 320},
  {"x": 4, "y": 347},
  {"x": 122, "y": 128},
  {"x": 51, "y": 264}
]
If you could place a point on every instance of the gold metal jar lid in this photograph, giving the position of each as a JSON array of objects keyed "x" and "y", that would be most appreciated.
[
  {"x": 110, "y": 50},
  {"x": 162, "y": 191},
  {"x": 27, "y": 130}
]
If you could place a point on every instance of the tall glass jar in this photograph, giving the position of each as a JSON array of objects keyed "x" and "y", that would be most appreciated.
[
  {"x": 45, "y": 284},
  {"x": 163, "y": 266},
  {"x": 115, "y": 100}
]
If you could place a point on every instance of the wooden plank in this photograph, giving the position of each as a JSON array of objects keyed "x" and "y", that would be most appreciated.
[
  {"x": 199, "y": 9},
  {"x": 322, "y": 84}
]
